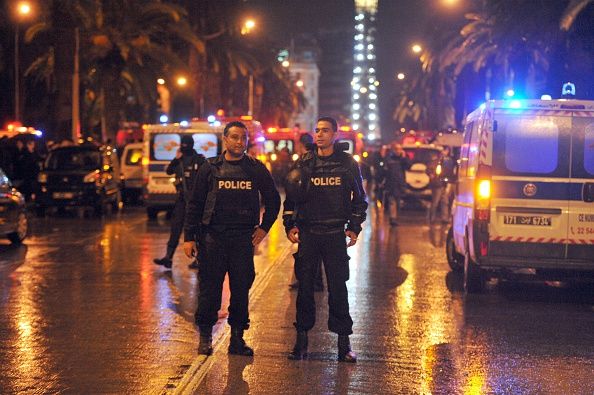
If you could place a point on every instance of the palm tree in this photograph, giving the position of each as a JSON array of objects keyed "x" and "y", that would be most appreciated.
[
  {"x": 125, "y": 46},
  {"x": 571, "y": 13}
]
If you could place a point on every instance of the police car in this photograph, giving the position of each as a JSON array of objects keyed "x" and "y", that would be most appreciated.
[{"x": 524, "y": 200}]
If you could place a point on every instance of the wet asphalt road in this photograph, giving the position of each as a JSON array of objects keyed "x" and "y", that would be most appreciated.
[{"x": 84, "y": 310}]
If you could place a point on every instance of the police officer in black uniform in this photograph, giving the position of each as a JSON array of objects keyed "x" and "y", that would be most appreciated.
[
  {"x": 185, "y": 166},
  {"x": 328, "y": 204},
  {"x": 223, "y": 216}
]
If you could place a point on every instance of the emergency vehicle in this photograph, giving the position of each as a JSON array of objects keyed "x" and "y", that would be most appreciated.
[
  {"x": 160, "y": 145},
  {"x": 524, "y": 200},
  {"x": 161, "y": 142}
]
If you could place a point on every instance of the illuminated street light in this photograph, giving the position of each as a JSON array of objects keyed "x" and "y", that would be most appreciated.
[
  {"x": 299, "y": 83},
  {"x": 400, "y": 76},
  {"x": 248, "y": 26},
  {"x": 24, "y": 8},
  {"x": 161, "y": 81},
  {"x": 182, "y": 81},
  {"x": 285, "y": 63},
  {"x": 416, "y": 48}
]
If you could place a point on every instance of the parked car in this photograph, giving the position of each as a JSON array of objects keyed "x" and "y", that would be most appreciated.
[
  {"x": 13, "y": 215},
  {"x": 80, "y": 176},
  {"x": 131, "y": 167}
]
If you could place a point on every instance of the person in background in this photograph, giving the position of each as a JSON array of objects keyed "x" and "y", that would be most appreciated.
[
  {"x": 394, "y": 173},
  {"x": 184, "y": 166}
]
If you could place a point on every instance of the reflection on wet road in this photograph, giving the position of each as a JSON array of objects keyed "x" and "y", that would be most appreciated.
[{"x": 83, "y": 309}]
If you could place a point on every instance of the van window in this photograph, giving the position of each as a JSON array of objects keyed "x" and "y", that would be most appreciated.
[
  {"x": 465, "y": 148},
  {"x": 133, "y": 157},
  {"x": 531, "y": 144},
  {"x": 473, "y": 150},
  {"x": 206, "y": 144},
  {"x": 589, "y": 149},
  {"x": 164, "y": 146}
]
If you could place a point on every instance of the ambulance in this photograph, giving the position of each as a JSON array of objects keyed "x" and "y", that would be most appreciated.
[
  {"x": 160, "y": 144},
  {"x": 524, "y": 202}
]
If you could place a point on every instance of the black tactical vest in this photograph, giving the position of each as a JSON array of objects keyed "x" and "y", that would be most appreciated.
[
  {"x": 237, "y": 198},
  {"x": 328, "y": 196}
]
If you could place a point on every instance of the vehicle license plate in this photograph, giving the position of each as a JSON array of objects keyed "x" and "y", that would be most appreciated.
[
  {"x": 526, "y": 220},
  {"x": 163, "y": 181},
  {"x": 63, "y": 195}
]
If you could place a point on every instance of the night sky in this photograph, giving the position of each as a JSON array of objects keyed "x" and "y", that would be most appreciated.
[{"x": 399, "y": 23}]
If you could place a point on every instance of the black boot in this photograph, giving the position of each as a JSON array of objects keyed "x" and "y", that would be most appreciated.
[
  {"x": 237, "y": 345},
  {"x": 167, "y": 260},
  {"x": 345, "y": 354},
  {"x": 205, "y": 345},
  {"x": 300, "y": 350}
]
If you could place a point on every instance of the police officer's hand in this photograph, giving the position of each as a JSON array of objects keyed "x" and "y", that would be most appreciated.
[
  {"x": 190, "y": 249},
  {"x": 352, "y": 237},
  {"x": 293, "y": 235},
  {"x": 258, "y": 236},
  {"x": 178, "y": 154}
]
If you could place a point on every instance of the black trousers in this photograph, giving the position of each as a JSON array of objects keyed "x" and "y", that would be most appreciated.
[
  {"x": 221, "y": 253},
  {"x": 177, "y": 225},
  {"x": 331, "y": 249}
]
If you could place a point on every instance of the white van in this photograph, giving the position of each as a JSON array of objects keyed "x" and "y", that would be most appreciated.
[
  {"x": 161, "y": 142},
  {"x": 131, "y": 171},
  {"x": 525, "y": 192}
]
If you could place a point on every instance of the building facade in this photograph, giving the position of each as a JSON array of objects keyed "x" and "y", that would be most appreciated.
[{"x": 364, "y": 107}]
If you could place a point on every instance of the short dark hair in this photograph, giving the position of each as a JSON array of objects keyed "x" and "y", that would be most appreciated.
[
  {"x": 233, "y": 124},
  {"x": 306, "y": 139},
  {"x": 331, "y": 120}
]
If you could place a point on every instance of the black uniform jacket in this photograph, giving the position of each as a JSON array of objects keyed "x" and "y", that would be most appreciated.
[
  {"x": 334, "y": 194},
  {"x": 200, "y": 209}
]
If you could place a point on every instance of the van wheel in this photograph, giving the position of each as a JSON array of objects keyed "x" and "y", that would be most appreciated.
[
  {"x": 22, "y": 230},
  {"x": 474, "y": 280},
  {"x": 455, "y": 260},
  {"x": 151, "y": 212}
]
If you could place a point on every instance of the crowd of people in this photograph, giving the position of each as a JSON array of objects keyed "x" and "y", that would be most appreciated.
[{"x": 21, "y": 161}]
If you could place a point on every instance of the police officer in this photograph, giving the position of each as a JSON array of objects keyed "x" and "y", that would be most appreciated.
[
  {"x": 395, "y": 165},
  {"x": 224, "y": 218},
  {"x": 328, "y": 203},
  {"x": 185, "y": 166}
]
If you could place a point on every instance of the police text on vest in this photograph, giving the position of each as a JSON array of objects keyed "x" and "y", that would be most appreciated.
[
  {"x": 243, "y": 185},
  {"x": 325, "y": 181}
]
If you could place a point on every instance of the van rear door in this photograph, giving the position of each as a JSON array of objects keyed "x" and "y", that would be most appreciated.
[
  {"x": 581, "y": 203},
  {"x": 530, "y": 184}
]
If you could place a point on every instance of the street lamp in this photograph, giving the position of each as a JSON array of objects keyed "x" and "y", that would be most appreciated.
[
  {"x": 248, "y": 26},
  {"x": 400, "y": 76},
  {"x": 416, "y": 48},
  {"x": 182, "y": 81},
  {"x": 23, "y": 10}
]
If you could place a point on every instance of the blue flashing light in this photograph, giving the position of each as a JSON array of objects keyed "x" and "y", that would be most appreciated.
[
  {"x": 184, "y": 124},
  {"x": 211, "y": 118},
  {"x": 260, "y": 139},
  {"x": 510, "y": 93},
  {"x": 546, "y": 97},
  {"x": 163, "y": 118},
  {"x": 515, "y": 104}
]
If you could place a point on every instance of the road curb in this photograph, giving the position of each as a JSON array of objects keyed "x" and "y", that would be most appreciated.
[{"x": 193, "y": 377}]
